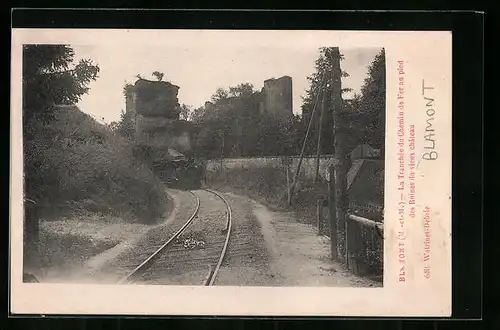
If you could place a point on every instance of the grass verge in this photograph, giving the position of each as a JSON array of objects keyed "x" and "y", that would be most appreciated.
[
  {"x": 76, "y": 167},
  {"x": 268, "y": 186}
]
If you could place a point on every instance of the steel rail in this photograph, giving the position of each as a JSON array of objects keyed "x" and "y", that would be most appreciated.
[
  {"x": 211, "y": 278},
  {"x": 152, "y": 258}
]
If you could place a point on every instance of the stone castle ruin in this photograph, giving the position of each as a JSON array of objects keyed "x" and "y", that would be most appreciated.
[
  {"x": 156, "y": 108},
  {"x": 276, "y": 97}
]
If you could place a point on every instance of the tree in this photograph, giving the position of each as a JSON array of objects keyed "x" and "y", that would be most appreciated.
[
  {"x": 50, "y": 78},
  {"x": 158, "y": 75},
  {"x": 220, "y": 94},
  {"x": 185, "y": 113},
  {"x": 364, "y": 115},
  {"x": 277, "y": 137},
  {"x": 228, "y": 124},
  {"x": 319, "y": 80},
  {"x": 127, "y": 89},
  {"x": 372, "y": 103},
  {"x": 232, "y": 126},
  {"x": 197, "y": 115},
  {"x": 125, "y": 126},
  {"x": 242, "y": 90}
]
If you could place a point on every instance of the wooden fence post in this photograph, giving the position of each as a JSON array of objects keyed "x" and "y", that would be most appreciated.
[
  {"x": 288, "y": 182},
  {"x": 340, "y": 203},
  {"x": 332, "y": 213},
  {"x": 352, "y": 245},
  {"x": 319, "y": 222}
]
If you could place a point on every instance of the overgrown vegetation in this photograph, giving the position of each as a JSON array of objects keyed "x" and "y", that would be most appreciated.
[
  {"x": 268, "y": 185},
  {"x": 360, "y": 120},
  {"x": 64, "y": 251},
  {"x": 362, "y": 116},
  {"x": 73, "y": 164},
  {"x": 319, "y": 81},
  {"x": 51, "y": 77},
  {"x": 125, "y": 126},
  {"x": 85, "y": 167},
  {"x": 231, "y": 125}
]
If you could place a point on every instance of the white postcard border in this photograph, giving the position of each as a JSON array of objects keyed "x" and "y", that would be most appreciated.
[{"x": 425, "y": 54}]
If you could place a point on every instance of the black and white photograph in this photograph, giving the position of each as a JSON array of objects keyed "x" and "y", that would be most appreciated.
[
  {"x": 305, "y": 172},
  {"x": 239, "y": 166}
]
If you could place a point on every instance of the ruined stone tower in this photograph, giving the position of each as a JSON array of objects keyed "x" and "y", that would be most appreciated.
[
  {"x": 155, "y": 107},
  {"x": 277, "y": 97}
]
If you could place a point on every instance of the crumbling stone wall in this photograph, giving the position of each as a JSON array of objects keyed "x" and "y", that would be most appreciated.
[
  {"x": 157, "y": 99},
  {"x": 130, "y": 102},
  {"x": 277, "y": 97},
  {"x": 156, "y": 109}
]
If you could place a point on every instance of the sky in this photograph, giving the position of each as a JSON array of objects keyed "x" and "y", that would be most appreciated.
[{"x": 199, "y": 71}]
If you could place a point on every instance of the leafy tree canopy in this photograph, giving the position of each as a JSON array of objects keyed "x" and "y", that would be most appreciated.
[
  {"x": 362, "y": 117},
  {"x": 232, "y": 125},
  {"x": 125, "y": 126},
  {"x": 367, "y": 111},
  {"x": 185, "y": 112},
  {"x": 50, "y": 77}
]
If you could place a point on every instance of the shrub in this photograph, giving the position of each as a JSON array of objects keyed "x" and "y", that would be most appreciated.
[
  {"x": 77, "y": 165},
  {"x": 263, "y": 183},
  {"x": 269, "y": 185}
]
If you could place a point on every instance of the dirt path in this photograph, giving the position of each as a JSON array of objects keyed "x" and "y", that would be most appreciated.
[
  {"x": 267, "y": 248},
  {"x": 99, "y": 261},
  {"x": 284, "y": 252},
  {"x": 122, "y": 237},
  {"x": 119, "y": 265}
]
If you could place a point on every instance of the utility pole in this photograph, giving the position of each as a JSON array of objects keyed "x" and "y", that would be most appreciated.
[
  {"x": 339, "y": 178},
  {"x": 320, "y": 127},
  {"x": 294, "y": 182}
]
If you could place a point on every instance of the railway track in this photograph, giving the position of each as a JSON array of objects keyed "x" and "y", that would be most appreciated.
[{"x": 169, "y": 246}]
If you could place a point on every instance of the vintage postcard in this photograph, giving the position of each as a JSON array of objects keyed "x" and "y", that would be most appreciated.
[{"x": 231, "y": 172}]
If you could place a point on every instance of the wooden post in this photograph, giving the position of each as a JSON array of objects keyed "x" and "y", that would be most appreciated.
[
  {"x": 222, "y": 155},
  {"x": 319, "y": 207},
  {"x": 320, "y": 130},
  {"x": 340, "y": 155},
  {"x": 222, "y": 148},
  {"x": 348, "y": 244},
  {"x": 341, "y": 192},
  {"x": 352, "y": 246},
  {"x": 333, "y": 213},
  {"x": 287, "y": 180}
]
